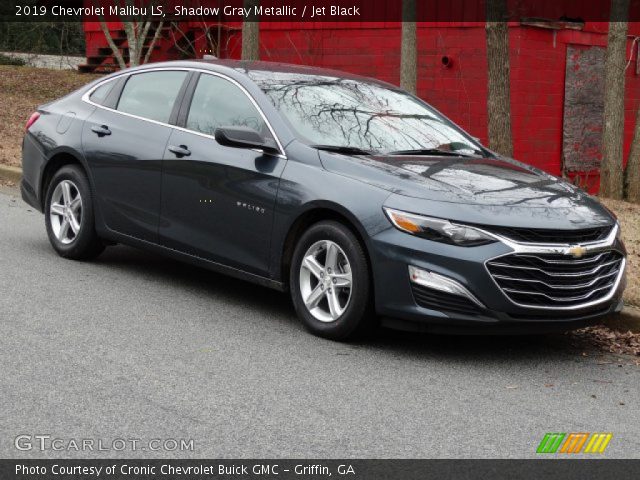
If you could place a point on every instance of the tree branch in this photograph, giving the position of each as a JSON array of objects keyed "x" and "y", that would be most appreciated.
[
  {"x": 116, "y": 51},
  {"x": 156, "y": 35}
]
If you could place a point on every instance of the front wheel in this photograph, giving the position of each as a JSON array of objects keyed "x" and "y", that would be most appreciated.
[{"x": 330, "y": 283}]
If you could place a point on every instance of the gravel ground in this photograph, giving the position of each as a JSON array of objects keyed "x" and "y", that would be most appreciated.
[{"x": 54, "y": 62}]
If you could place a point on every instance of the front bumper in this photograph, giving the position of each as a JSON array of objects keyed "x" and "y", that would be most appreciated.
[{"x": 398, "y": 303}]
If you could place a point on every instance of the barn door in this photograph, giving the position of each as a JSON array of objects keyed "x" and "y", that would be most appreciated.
[{"x": 583, "y": 112}]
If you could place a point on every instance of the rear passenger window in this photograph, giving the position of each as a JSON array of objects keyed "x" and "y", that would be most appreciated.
[
  {"x": 151, "y": 95},
  {"x": 219, "y": 103},
  {"x": 99, "y": 95}
]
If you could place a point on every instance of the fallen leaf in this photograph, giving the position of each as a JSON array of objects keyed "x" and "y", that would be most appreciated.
[{"x": 612, "y": 341}]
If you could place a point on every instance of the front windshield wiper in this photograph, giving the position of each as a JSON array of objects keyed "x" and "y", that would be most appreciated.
[
  {"x": 429, "y": 151},
  {"x": 343, "y": 149}
]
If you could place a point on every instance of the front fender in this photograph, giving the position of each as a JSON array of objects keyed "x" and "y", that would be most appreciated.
[{"x": 305, "y": 188}]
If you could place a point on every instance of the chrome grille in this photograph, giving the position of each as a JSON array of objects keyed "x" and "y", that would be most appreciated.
[{"x": 541, "y": 280}]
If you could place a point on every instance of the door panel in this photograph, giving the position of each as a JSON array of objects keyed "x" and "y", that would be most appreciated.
[
  {"x": 217, "y": 203},
  {"x": 126, "y": 166},
  {"x": 124, "y": 148}
]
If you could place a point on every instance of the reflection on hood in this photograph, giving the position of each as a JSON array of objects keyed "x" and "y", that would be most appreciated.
[{"x": 461, "y": 180}]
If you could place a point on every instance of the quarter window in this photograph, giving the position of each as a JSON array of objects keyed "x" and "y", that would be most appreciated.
[
  {"x": 99, "y": 95},
  {"x": 219, "y": 103},
  {"x": 151, "y": 95}
]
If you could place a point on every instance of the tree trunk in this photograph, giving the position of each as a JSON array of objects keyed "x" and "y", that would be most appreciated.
[
  {"x": 136, "y": 30},
  {"x": 156, "y": 35},
  {"x": 498, "y": 94},
  {"x": 114, "y": 49},
  {"x": 251, "y": 33},
  {"x": 611, "y": 181},
  {"x": 132, "y": 41},
  {"x": 107, "y": 34},
  {"x": 408, "y": 49},
  {"x": 632, "y": 173}
]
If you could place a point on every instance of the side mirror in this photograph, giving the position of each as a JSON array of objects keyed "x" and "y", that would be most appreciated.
[{"x": 244, "y": 137}]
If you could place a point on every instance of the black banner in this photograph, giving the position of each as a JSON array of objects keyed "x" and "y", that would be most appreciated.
[
  {"x": 566, "y": 469},
  {"x": 567, "y": 12}
]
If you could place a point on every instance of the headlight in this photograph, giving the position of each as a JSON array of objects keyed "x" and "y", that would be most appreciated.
[{"x": 437, "y": 229}]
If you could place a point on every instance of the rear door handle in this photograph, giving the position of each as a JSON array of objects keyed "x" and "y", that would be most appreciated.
[
  {"x": 102, "y": 130},
  {"x": 180, "y": 151}
]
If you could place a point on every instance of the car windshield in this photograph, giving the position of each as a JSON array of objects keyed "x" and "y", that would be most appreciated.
[{"x": 337, "y": 112}]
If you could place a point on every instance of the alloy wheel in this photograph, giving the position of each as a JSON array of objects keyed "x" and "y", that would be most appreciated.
[
  {"x": 325, "y": 280},
  {"x": 65, "y": 212}
]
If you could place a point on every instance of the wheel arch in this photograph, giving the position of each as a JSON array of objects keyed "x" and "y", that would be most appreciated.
[
  {"x": 314, "y": 213},
  {"x": 56, "y": 161}
]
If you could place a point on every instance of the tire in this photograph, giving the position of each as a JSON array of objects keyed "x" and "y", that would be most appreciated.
[
  {"x": 77, "y": 240},
  {"x": 349, "y": 314}
]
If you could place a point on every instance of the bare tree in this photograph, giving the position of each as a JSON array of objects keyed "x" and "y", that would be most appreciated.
[
  {"x": 251, "y": 33},
  {"x": 408, "y": 48},
  {"x": 632, "y": 173},
  {"x": 137, "y": 31},
  {"x": 194, "y": 42},
  {"x": 498, "y": 94},
  {"x": 611, "y": 177}
]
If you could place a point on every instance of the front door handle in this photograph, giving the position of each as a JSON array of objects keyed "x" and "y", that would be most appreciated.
[
  {"x": 180, "y": 151},
  {"x": 101, "y": 131}
]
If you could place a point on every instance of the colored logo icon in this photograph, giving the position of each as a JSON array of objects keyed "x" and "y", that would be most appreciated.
[{"x": 574, "y": 443}]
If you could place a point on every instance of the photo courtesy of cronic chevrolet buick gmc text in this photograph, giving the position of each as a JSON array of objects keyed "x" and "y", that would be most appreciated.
[{"x": 360, "y": 199}]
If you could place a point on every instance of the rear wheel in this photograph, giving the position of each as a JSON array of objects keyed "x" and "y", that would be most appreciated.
[
  {"x": 69, "y": 216},
  {"x": 329, "y": 281}
]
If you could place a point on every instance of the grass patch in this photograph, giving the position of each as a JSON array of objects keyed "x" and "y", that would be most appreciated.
[{"x": 22, "y": 89}]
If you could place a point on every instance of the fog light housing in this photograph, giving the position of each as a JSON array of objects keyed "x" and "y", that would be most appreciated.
[{"x": 441, "y": 283}]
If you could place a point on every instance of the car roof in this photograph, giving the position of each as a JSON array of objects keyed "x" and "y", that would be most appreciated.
[{"x": 245, "y": 67}]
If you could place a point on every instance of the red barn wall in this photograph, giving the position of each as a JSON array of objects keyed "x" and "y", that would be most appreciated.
[{"x": 538, "y": 63}]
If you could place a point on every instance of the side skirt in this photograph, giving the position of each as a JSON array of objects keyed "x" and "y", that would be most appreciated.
[{"x": 194, "y": 260}]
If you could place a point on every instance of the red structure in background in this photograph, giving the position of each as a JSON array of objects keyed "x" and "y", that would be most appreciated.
[{"x": 551, "y": 64}]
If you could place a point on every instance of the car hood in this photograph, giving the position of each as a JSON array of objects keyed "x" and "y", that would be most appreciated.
[{"x": 493, "y": 191}]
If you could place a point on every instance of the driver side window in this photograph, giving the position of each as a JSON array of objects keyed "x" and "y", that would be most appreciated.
[{"x": 219, "y": 103}]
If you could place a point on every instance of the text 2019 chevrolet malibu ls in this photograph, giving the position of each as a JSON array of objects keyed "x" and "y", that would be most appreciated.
[{"x": 359, "y": 198}]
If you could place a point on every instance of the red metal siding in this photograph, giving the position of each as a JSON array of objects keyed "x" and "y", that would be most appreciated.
[
  {"x": 538, "y": 62},
  {"x": 537, "y": 96}
]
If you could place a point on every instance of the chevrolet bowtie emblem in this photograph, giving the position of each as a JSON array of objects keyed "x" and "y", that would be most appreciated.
[{"x": 577, "y": 251}]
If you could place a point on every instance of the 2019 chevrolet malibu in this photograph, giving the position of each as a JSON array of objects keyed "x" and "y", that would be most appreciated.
[{"x": 360, "y": 199}]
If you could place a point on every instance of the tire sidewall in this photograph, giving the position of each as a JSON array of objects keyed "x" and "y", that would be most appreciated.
[
  {"x": 355, "y": 316},
  {"x": 86, "y": 235}
]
